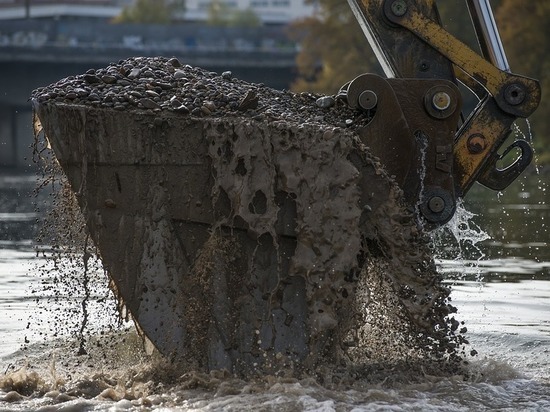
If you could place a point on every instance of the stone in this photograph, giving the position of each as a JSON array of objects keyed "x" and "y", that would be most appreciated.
[
  {"x": 174, "y": 62},
  {"x": 109, "y": 79},
  {"x": 134, "y": 73},
  {"x": 182, "y": 109},
  {"x": 179, "y": 74},
  {"x": 91, "y": 78},
  {"x": 149, "y": 104},
  {"x": 325, "y": 102},
  {"x": 151, "y": 93},
  {"x": 210, "y": 105},
  {"x": 161, "y": 83}
]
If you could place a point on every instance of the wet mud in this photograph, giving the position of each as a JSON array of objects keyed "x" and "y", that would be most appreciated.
[{"x": 248, "y": 230}]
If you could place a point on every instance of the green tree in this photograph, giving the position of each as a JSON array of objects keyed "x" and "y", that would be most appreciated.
[
  {"x": 220, "y": 14},
  {"x": 244, "y": 18},
  {"x": 150, "y": 11},
  {"x": 524, "y": 30}
]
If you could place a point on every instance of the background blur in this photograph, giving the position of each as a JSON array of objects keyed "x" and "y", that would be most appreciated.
[{"x": 313, "y": 45}]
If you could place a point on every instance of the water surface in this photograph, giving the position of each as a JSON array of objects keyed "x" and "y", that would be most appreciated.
[{"x": 501, "y": 287}]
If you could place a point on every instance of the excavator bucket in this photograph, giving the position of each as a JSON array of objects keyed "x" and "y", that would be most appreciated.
[
  {"x": 250, "y": 229},
  {"x": 239, "y": 228}
]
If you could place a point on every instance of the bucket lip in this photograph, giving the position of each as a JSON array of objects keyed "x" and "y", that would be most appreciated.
[
  {"x": 234, "y": 118},
  {"x": 34, "y": 103}
]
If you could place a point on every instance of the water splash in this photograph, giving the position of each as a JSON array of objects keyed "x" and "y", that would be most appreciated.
[
  {"x": 464, "y": 230},
  {"x": 527, "y": 136},
  {"x": 423, "y": 145},
  {"x": 460, "y": 238}
]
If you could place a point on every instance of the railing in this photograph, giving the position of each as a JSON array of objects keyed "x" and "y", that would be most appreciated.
[{"x": 102, "y": 41}]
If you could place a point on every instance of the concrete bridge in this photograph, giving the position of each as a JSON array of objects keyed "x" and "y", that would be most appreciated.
[{"x": 35, "y": 53}]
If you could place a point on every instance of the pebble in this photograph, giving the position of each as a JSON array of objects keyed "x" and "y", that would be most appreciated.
[
  {"x": 179, "y": 74},
  {"x": 152, "y": 93},
  {"x": 109, "y": 79},
  {"x": 250, "y": 101},
  {"x": 174, "y": 62},
  {"x": 182, "y": 109},
  {"x": 325, "y": 102},
  {"x": 164, "y": 86},
  {"x": 149, "y": 104},
  {"x": 167, "y": 85},
  {"x": 91, "y": 78},
  {"x": 210, "y": 105},
  {"x": 174, "y": 102},
  {"x": 81, "y": 92},
  {"x": 134, "y": 73}
]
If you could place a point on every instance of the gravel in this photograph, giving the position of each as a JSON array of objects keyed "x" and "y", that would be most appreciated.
[{"x": 161, "y": 84}]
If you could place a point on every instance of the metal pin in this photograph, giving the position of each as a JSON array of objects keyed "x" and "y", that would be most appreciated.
[
  {"x": 399, "y": 8},
  {"x": 441, "y": 101}
]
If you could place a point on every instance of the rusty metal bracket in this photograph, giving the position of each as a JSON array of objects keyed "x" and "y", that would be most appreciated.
[
  {"x": 516, "y": 95},
  {"x": 388, "y": 134},
  {"x": 509, "y": 96},
  {"x": 498, "y": 179},
  {"x": 412, "y": 132}
]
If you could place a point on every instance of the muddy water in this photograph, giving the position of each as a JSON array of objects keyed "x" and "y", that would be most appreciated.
[{"x": 504, "y": 299}]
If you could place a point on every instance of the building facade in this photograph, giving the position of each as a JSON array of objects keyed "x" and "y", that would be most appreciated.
[{"x": 268, "y": 11}]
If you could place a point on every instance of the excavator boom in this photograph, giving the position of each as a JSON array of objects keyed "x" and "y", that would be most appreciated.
[{"x": 435, "y": 155}]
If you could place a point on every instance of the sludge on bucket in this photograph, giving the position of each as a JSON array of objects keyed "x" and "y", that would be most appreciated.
[{"x": 245, "y": 228}]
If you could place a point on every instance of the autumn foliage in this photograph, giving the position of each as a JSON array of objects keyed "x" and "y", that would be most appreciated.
[{"x": 334, "y": 49}]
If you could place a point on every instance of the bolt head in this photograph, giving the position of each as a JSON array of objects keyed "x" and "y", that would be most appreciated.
[
  {"x": 399, "y": 8},
  {"x": 436, "y": 204},
  {"x": 368, "y": 100},
  {"x": 514, "y": 94},
  {"x": 476, "y": 143},
  {"x": 441, "y": 101}
]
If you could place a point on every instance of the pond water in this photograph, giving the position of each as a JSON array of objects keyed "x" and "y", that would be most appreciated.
[{"x": 501, "y": 287}]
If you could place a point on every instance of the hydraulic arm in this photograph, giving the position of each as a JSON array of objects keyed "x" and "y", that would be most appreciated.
[{"x": 417, "y": 128}]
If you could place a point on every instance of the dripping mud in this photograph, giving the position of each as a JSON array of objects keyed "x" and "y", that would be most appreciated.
[{"x": 294, "y": 260}]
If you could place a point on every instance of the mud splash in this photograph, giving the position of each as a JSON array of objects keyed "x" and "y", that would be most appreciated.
[
  {"x": 125, "y": 377},
  {"x": 293, "y": 256},
  {"x": 370, "y": 281},
  {"x": 71, "y": 291}
]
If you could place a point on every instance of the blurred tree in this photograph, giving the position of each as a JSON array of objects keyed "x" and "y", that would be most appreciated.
[
  {"x": 217, "y": 13},
  {"x": 150, "y": 11},
  {"x": 524, "y": 30},
  {"x": 220, "y": 14},
  {"x": 456, "y": 20},
  {"x": 245, "y": 18},
  {"x": 333, "y": 48}
]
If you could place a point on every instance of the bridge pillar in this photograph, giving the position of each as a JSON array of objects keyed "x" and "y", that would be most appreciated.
[{"x": 16, "y": 137}]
